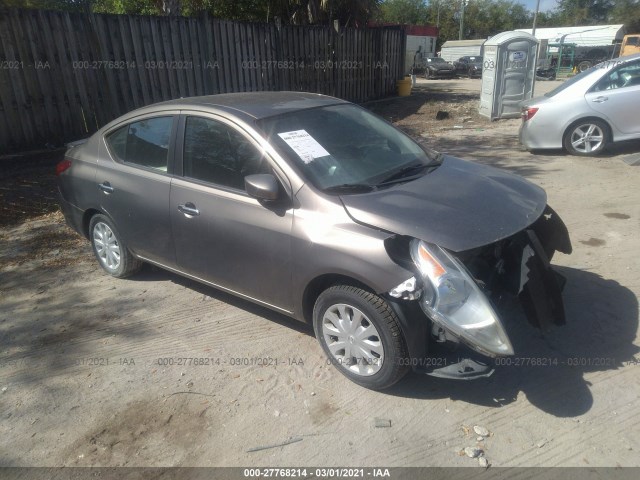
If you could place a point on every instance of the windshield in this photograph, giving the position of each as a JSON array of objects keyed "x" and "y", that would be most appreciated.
[
  {"x": 436, "y": 60},
  {"x": 567, "y": 83},
  {"x": 346, "y": 149}
]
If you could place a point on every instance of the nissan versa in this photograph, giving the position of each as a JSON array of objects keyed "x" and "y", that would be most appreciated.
[{"x": 316, "y": 208}]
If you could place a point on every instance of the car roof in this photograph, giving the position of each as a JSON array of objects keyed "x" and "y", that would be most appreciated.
[{"x": 248, "y": 106}]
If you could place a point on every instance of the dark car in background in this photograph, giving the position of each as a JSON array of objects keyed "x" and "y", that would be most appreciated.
[
  {"x": 437, "y": 67},
  {"x": 469, "y": 66},
  {"x": 318, "y": 209}
]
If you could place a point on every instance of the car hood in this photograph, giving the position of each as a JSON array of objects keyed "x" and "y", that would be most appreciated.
[{"x": 460, "y": 205}]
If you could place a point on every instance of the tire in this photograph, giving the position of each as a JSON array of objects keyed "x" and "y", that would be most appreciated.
[
  {"x": 586, "y": 138},
  {"x": 584, "y": 65},
  {"x": 112, "y": 254},
  {"x": 377, "y": 362},
  {"x": 427, "y": 74}
]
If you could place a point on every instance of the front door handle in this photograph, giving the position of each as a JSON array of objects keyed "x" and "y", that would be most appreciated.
[
  {"x": 189, "y": 209},
  {"x": 600, "y": 99},
  {"x": 105, "y": 187}
]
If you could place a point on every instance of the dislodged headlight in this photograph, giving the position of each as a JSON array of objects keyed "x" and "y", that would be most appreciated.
[{"x": 452, "y": 299}]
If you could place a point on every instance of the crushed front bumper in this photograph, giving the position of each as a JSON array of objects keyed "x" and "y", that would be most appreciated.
[
  {"x": 521, "y": 266},
  {"x": 518, "y": 266}
]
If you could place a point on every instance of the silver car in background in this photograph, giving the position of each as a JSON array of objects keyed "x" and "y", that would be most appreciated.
[
  {"x": 318, "y": 209},
  {"x": 587, "y": 112}
]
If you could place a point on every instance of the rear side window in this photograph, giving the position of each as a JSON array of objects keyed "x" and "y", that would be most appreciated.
[
  {"x": 216, "y": 153},
  {"x": 144, "y": 143}
]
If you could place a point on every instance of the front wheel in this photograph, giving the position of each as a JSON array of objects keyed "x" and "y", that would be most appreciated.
[
  {"x": 111, "y": 252},
  {"x": 586, "y": 138},
  {"x": 361, "y": 335}
]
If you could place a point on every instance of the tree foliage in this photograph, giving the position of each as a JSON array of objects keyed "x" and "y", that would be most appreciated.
[
  {"x": 628, "y": 13},
  {"x": 302, "y": 12},
  {"x": 583, "y": 12},
  {"x": 412, "y": 12},
  {"x": 482, "y": 18}
]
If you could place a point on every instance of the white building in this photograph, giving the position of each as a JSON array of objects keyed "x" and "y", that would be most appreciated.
[
  {"x": 452, "y": 50},
  {"x": 591, "y": 36},
  {"x": 421, "y": 43}
]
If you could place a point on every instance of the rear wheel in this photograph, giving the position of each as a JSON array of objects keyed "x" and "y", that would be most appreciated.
[
  {"x": 111, "y": 252},
  {"x": 361, "y": 335},
  {"x": 584, "y": 65},
  {"x": 587, "y": 137}
]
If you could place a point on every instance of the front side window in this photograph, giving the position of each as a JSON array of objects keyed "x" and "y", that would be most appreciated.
[
  {"x": 216, "y": 153},
  {"x": 626, "y": 76},
  {"x": 144, "y": 143}
]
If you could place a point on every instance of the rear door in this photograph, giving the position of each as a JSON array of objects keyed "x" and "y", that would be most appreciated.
[
  {"x": 617, "y": 96},
  {"x": 133, "y": 179},
  {"x": 221, "y": 234}
]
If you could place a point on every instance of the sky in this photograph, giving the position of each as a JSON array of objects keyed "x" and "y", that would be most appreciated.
[{"x": 545, "y": 5}]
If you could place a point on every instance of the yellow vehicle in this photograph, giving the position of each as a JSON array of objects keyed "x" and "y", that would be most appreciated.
[{"x": 630, "y": 44}]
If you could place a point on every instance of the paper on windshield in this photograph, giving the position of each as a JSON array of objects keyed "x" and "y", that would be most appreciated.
[{"x": 304, "y": 145}]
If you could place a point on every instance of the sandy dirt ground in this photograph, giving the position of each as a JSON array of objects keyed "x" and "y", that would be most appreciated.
[{"x": 160, "y": 371}]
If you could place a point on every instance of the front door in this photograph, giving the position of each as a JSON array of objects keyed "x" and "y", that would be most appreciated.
[
  {"x": 221, "y": 234},
  {"x": 617, "y": 96}
]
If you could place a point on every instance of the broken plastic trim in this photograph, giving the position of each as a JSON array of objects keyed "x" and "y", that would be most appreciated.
[
  {"x": 464, "y": 369},
  {"x": 407, "y": 290}
]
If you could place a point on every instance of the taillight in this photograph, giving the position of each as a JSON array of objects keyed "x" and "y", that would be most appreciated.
[
  {"x": 62, "y": 166},
  {"x": 528, "y": 113}
]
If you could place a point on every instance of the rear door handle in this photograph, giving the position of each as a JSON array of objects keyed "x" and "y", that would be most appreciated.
[
  {"x": 105, "y": 187},
  {"x": 600, "y": 99},
  {"x": 189, "y": 209}
]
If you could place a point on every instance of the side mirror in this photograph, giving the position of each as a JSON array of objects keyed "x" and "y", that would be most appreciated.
[{"x": 262, "y": 186}]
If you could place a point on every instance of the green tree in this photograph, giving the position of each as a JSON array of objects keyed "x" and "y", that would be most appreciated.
[
  {"x": 584, "y": 12},
  {"x": 482, "y": 18},
  {"x": 413, "y": 12},
  {"x": 628, "y": 13},
  {"x": 348, "y": 12}
]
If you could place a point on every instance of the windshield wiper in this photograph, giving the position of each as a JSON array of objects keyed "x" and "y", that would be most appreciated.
[
  {"x": 408, "y": 172},
  {"x": 350, "y": 188}
]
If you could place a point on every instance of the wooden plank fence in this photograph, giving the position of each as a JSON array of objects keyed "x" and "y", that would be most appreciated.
[{"x": 63, "y": 75}]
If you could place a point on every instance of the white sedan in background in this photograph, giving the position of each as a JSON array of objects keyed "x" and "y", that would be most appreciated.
[{"x": 587, "y": 112}]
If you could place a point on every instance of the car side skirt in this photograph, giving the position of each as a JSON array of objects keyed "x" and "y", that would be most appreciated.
[{"x": 219, "y": 287}]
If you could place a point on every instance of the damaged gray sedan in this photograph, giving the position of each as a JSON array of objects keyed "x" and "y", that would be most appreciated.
[{"x": 316, "y": 208}]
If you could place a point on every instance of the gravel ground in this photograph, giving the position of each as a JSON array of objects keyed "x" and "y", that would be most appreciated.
[{"x": 91, "y": 370}]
